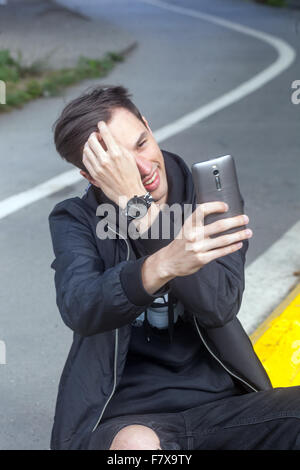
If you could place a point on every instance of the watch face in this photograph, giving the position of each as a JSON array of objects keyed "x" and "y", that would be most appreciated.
[{"x": 137, "y": 210}]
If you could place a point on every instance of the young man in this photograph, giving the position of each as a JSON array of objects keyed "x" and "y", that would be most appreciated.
[{"x": 159, "y": 359}]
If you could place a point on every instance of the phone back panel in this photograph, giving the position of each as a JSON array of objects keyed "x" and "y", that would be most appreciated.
[{"x": 221, "y": 186}]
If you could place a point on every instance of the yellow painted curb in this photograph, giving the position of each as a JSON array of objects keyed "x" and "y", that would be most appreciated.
[{"x": 277, "y": 342}]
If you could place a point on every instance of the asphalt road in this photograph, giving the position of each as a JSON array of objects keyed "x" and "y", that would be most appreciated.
[{"x": 181, "y": 64}]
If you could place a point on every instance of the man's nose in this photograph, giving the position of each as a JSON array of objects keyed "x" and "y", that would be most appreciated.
[{"x": 144, "y": 165}]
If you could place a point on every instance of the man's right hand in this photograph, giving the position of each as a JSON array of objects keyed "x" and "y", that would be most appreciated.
[{"x": 193, "y": 248}]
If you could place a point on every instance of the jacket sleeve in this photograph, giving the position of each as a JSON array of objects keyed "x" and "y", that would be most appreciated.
[
  {"x": 214, "y": 293},
  {"x": 90, "y": 299}
]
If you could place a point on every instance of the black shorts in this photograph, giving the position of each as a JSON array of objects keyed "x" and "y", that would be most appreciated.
[
  {"x": 257, "y": 420},
  {"x": 169, "y": 427}
]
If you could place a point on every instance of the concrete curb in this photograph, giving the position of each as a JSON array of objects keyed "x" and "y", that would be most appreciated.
[{"x": 45, "y": 31}]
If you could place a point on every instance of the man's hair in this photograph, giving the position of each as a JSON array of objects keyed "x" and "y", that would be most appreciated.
[{"x": 80, "y": 117}]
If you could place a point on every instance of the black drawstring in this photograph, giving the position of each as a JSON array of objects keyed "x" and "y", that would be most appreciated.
[
  {"x": 147, "y": 328},
  {"x": 170, "y": 317}
]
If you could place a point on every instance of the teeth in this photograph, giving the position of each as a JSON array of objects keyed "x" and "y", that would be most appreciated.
[{"x": 151, "y": 180}]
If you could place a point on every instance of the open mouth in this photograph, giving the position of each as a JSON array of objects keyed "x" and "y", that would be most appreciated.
[
  {"x": 149, "y": 181},
  {"x": 152, "y": 183}
]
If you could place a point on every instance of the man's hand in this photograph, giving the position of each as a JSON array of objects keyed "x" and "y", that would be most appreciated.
[
  {"x": 113, "y": 169},
  {"x": 193, "y": 248}
]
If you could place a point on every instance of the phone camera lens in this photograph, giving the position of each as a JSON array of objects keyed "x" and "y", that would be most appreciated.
[{"x": 216, "y": 172}]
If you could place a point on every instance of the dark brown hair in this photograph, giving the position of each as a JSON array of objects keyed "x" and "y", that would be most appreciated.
[{"x": 80, "y": 117}]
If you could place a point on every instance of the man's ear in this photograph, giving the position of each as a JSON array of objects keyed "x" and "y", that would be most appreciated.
[
  {"x": 88, "y": 177},
  {"x": 146, "y": 122}
]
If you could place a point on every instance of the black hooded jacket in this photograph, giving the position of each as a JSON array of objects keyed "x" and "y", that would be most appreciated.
[{"x": 100, "y": 293}]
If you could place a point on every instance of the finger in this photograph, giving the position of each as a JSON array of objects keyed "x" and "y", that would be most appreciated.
[
  {"x": 193, "y": 223},
  {"x": 225, "y": 224},
  {"x": 103, "y": 144},
  {"x": 214, "y": 206},
  {"x": 199, "y": 243},
  {"x": 129, "y": 155},
  {"x": 96, "y": 147},
  {"x": 202, "y": 210},
  {"x": 219, "y": 252},
  {"x": 225, "y": 240},
  {"x": 193, "y": 235},
  {"x": 109, "y": 140},
  {"x": 197, "y": 216},
  {"x": 90, "y": 161}
]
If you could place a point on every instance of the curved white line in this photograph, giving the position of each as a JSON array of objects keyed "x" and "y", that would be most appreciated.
[{"x": 286, "y": 56}]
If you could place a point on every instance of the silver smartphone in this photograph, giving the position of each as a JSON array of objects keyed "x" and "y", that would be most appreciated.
[{"x": 216, "y": 180}]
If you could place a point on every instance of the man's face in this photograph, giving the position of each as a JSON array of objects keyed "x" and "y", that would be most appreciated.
[{"x": 131, "y": 133}]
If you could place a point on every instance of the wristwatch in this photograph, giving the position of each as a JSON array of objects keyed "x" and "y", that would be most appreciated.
[{"x": 137, "y": 207}]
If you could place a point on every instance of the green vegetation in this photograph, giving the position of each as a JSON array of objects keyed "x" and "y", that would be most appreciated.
[
  {"x": 25, "y": 83},
  {"x": 276, "y": 3},
  {"x": 273, "y": 3}
]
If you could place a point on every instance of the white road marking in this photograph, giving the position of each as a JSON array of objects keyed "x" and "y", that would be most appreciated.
[
  {"x": 2, "y": 352},
  {"x": 286, "y": 55},
  {"x": 18, "y": 201},
  {"x": 269, "y": 278}
]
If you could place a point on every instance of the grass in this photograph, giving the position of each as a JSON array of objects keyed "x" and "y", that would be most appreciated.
[
  {"x": 273, "y": 3},
  {"x": 26, "y": 83}
]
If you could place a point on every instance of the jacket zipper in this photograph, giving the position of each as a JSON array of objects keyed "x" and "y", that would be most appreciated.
[
  {"x": 115, "y": 379},
  {"x": 116, "y": 347},
  {"x": 219, "y": 361}
]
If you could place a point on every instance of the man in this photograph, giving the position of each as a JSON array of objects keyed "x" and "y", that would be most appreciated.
[{"x": 159, "y": 359}]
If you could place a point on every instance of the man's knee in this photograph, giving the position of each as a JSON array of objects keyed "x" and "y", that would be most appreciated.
[{"x": 135, "y": 437}]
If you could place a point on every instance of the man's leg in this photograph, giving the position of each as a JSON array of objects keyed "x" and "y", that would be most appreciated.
[
  {"x": 135, "y": 437},
  {"x": 155, "y": 431},
  {"x": 257, "y": 420}
]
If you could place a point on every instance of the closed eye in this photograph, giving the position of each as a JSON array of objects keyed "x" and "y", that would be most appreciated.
[{"x": 142, "y": 143}]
